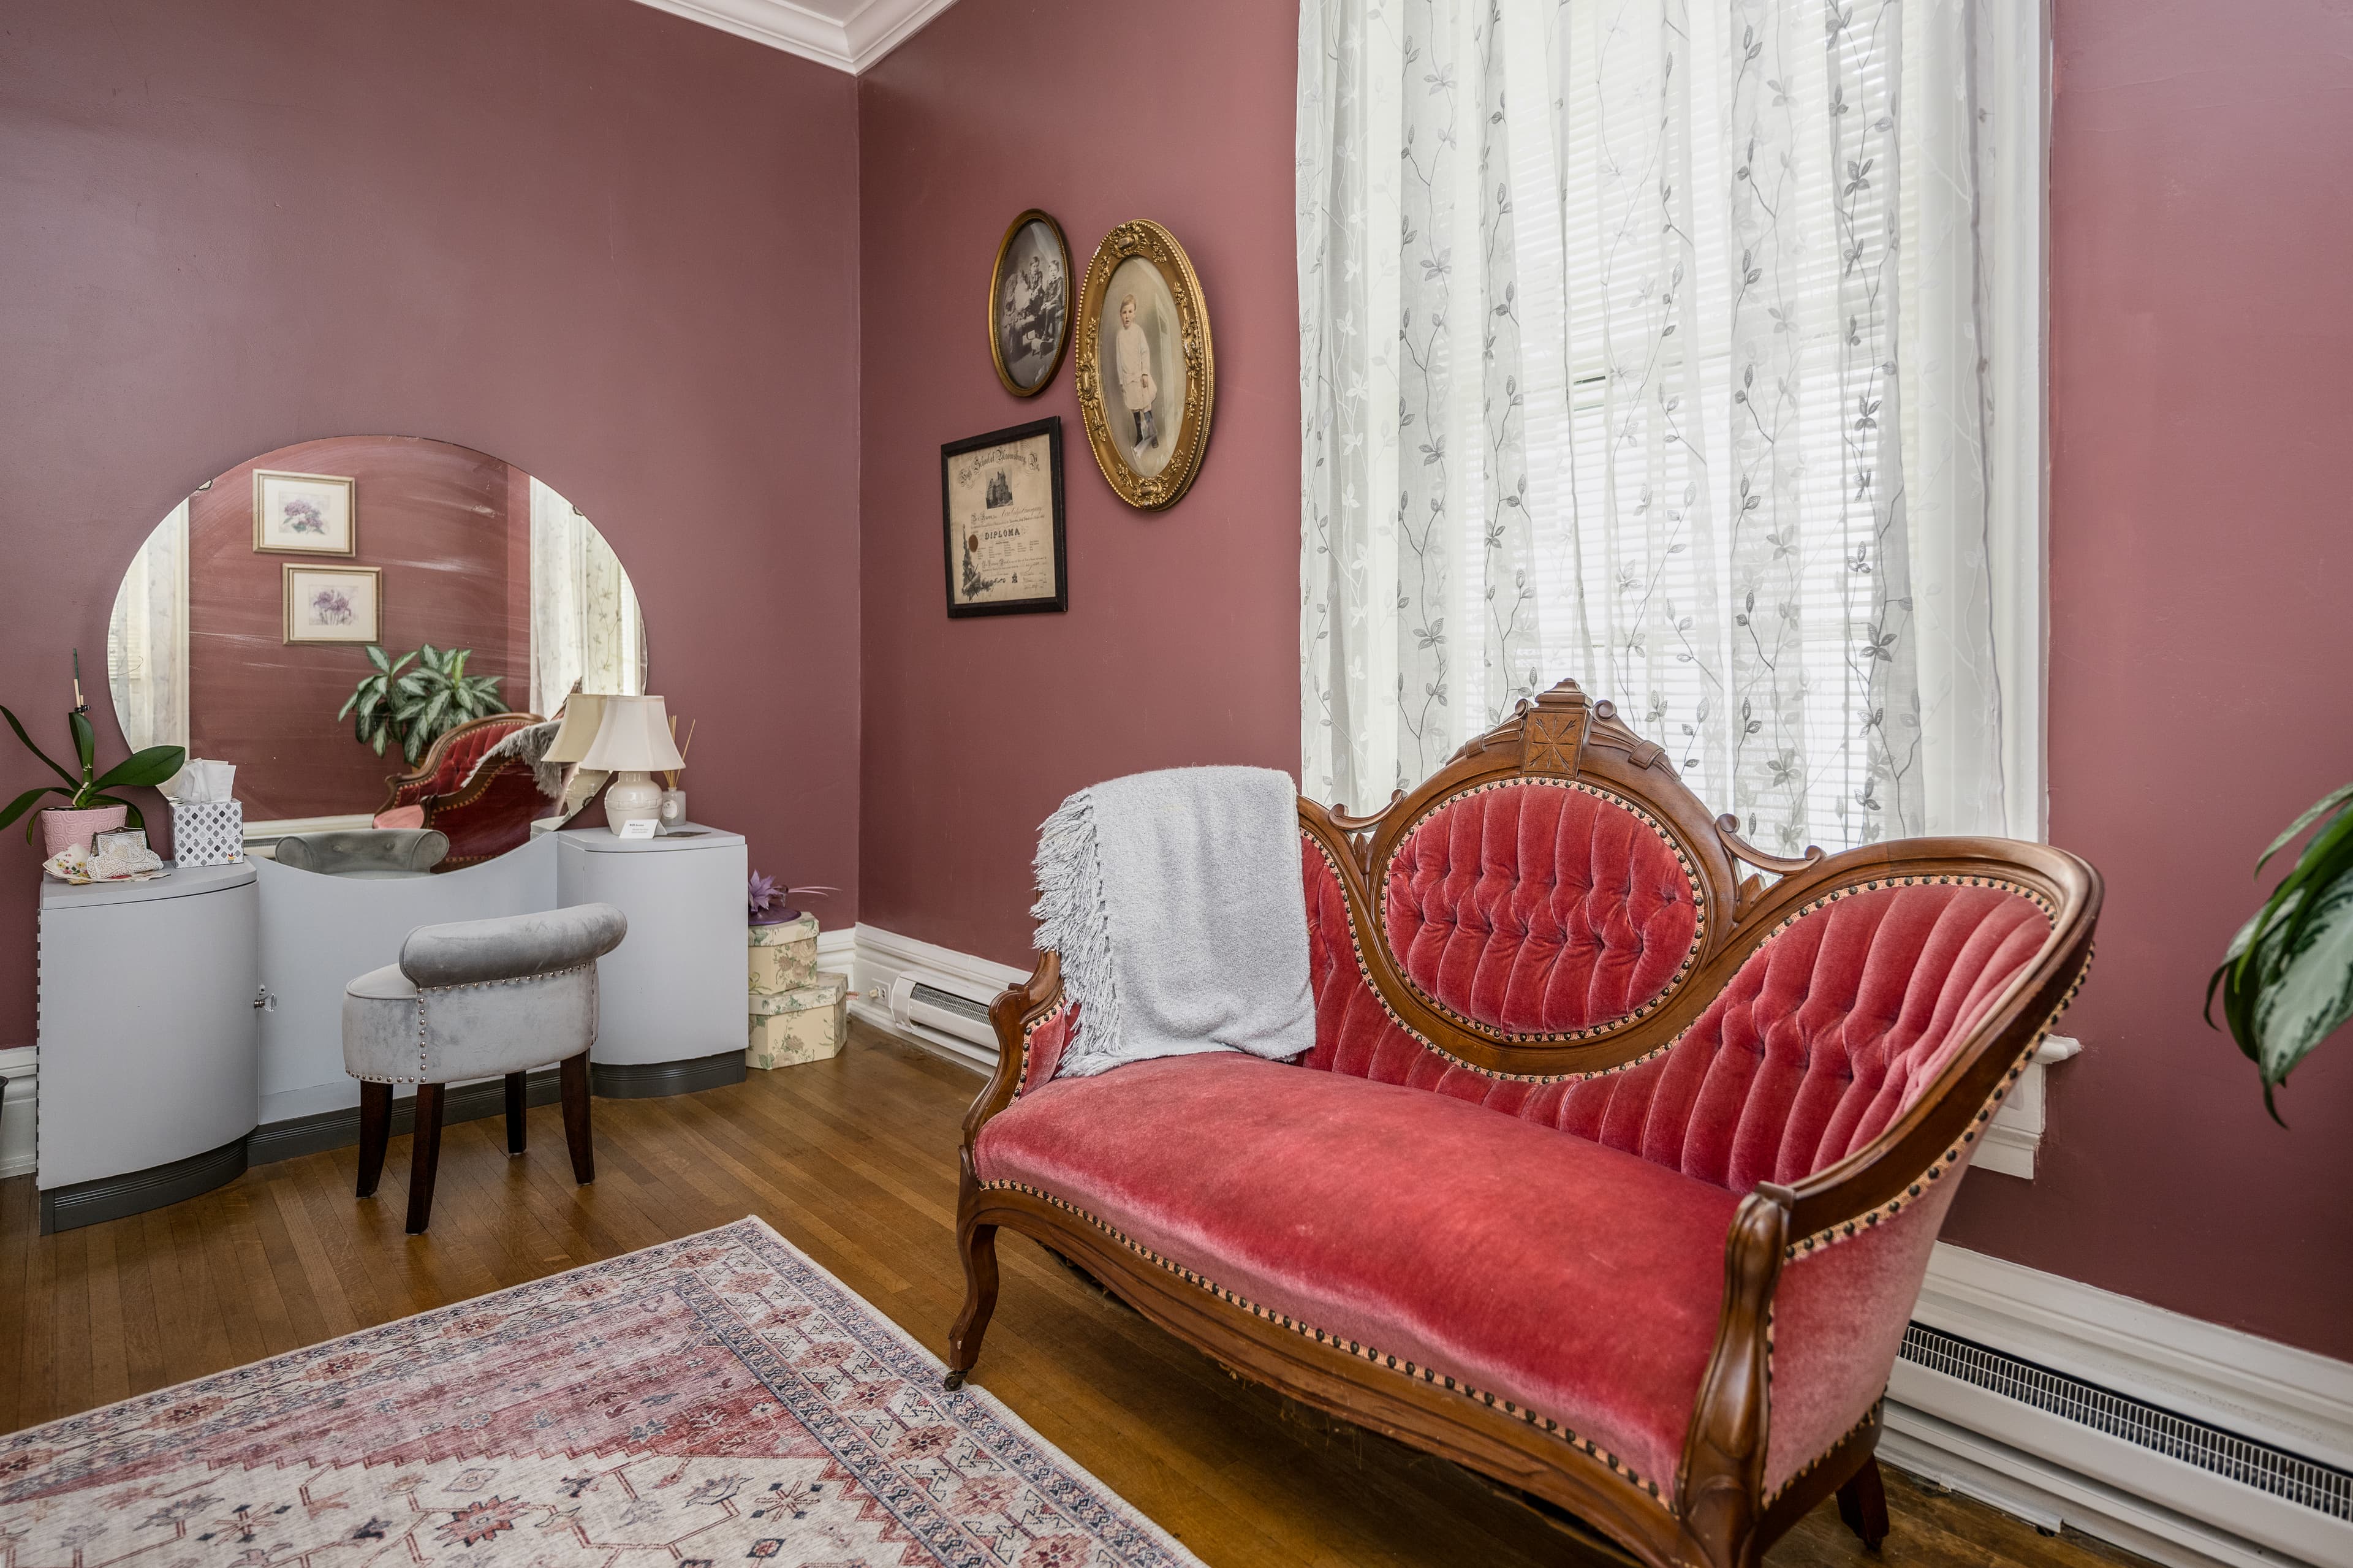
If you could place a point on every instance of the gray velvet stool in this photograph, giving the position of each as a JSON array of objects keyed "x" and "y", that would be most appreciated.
[
  {"x": 477, "y": 999},
  {"x": 381, "y": 852}
]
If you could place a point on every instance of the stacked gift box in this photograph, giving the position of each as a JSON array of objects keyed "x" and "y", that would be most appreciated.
[{"x": 799, "y": 1013}]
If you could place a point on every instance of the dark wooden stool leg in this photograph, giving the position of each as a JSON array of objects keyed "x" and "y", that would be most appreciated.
[
  {"x": 425, "y": 1158},
  {"x": 376, "y": 1131},
  {"x": 1862, "y": 1503},
  {"x": 573, "y": 1071},
  {"x": 517, "y": 1138}
]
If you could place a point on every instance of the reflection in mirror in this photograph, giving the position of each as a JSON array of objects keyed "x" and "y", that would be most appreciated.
[{"x": 366, "y": 626}]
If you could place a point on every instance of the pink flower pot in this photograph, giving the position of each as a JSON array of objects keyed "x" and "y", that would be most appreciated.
[{"x": 63, "y": 829}]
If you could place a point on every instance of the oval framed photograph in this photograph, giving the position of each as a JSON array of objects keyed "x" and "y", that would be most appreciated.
[
  {"x": 1029, "y": 303},
  {"x": 1146, "y": 377}
]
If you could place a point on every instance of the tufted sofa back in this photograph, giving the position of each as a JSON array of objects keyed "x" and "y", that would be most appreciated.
[
  {"x": 1541, "y": 907},
  {"x": 1822, "y": 1037}
]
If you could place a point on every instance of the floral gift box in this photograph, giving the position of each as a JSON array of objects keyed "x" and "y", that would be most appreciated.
[{"x": 807, "y": 1025}]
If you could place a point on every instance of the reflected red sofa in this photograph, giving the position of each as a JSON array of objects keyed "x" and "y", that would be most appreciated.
[
  {"x": 485, "y": 812},
  {"x": 1615, "y": 1168}
]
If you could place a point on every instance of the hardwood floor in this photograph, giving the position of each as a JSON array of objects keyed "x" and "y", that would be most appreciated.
[{"x": 854, "y": 1160}]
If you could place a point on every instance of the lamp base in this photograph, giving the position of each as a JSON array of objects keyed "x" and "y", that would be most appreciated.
[{"x": 632, "y": 796}]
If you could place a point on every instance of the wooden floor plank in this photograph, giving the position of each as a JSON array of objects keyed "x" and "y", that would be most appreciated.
[{"x": 853, "y": 1159}]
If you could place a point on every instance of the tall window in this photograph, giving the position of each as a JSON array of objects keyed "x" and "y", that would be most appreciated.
[{"x": 1690, "y": 350}]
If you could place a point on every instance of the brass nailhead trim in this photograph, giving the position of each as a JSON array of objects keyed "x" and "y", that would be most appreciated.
[
  {"x": 1362, "y": 1352},
  {"x": 1683, "y": 971},
  {"x": 1021, "y": 1080},
  {"x": 1847, "y": 1229}
]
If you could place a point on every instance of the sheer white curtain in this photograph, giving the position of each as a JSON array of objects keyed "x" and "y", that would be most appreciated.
[
  {"x": 147, "y": 639},
  {"x": 585, "y": 629},
  {"x": 1644, "y": 343}
]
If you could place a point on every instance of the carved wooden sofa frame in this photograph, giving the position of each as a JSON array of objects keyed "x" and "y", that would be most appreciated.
[{"x": 1716, "y": 1512}]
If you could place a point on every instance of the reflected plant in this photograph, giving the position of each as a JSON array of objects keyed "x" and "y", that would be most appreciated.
[{"x": 413, "y": 707}]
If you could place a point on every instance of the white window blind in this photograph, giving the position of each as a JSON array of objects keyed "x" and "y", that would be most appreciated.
[{"x": 1744, "y": 410}]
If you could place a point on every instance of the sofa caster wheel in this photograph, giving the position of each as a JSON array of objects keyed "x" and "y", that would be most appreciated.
[{"x": 952, "y": 1382}]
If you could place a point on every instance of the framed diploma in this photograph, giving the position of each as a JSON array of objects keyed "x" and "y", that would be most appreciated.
[{"x": 1001, "y": 513}]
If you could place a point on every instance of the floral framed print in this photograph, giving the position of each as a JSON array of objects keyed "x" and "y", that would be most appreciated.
[
  {"x": 1029, "y": 304},
  {"x": 1001, "y": 519},
  {"x": 334, "y": 604},
  {"x": 304, "y": 514},
  {"x": 1146, "y": 377}
]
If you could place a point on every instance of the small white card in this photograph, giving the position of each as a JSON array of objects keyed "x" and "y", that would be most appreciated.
[{"x": 643, "y": 827}]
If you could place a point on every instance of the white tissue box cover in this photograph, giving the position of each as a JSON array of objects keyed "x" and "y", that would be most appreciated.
[{"x": 208, "y": 832}]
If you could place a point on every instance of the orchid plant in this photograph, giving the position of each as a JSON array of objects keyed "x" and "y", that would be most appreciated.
[
  {"x": 152, "y": 765},
  {"x": 2286, "y": 981}
]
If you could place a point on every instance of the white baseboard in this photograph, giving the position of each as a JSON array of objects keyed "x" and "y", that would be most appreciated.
[
  {"x": 2022, "y": 1460},
  {"x": 883, "y": 955},
  {"x": 2257, "y": 1388}
]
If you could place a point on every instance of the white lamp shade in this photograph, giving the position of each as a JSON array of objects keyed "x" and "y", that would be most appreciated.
[
  {"x": 634, "y": 737},
  {"x": 584, "y": 712}
]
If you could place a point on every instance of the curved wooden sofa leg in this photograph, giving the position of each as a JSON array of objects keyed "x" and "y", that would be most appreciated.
[
  {"x": 978, "y": 1245},
  {"x": 1862, "y": 1503}
]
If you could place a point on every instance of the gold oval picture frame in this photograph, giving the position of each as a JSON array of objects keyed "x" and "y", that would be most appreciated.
[
  {"x": 1146, "y": 378},
  {"x": 1029, "y": 303}
]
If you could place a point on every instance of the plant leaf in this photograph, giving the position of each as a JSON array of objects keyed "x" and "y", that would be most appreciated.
[
  {"x": 24, "y": 802},
  {"x": 2309, "y": 993},
  {"x": 151, "y": 766},
  {"x": 378, "y": 658},
  {"x": 379, "y": 741},
  {"x": 2329, "y": 802},
  {"x": 14, "y": 723},
  {"x": 85, "y": 740}
]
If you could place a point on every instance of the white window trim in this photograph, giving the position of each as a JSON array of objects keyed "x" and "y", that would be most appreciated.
[{"x": 2014, "y": 209}]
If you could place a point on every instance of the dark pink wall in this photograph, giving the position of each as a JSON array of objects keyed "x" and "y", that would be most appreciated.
[
  {"x": 1180, "y": 644},
  {"x": 2203, "y": 388},
  {"x": 612, "y": 246}
]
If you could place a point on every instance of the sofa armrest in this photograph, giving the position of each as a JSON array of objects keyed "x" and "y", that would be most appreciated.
[
  {"x": 1725, "y": 1446},
  {"x": 1033, "y": 1021}
]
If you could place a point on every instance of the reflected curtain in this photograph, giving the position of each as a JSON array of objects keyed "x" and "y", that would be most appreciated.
[
  {"x": 147, "y": 639},
  {"x": 585, "y": 630},
  {"x": 1641, "y": 344}
]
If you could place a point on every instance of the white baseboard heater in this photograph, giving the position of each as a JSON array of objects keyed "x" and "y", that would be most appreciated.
[{"x": 935, "y": 1002}]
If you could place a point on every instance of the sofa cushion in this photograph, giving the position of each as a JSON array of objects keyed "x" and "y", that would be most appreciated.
[
  {"x": 1578, "y": 1282},
  {"x": 1539, "y": 905},
  {"x": 1840, "y": 1021}
]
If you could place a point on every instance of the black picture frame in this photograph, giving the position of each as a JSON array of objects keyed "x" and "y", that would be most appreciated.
[{"x": 955, "y": 543}]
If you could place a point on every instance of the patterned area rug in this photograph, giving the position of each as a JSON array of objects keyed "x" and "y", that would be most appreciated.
[{"x": 711, "y": 1401}]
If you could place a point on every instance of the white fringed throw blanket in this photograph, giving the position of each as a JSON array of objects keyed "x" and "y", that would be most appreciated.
[{"x": 1176, "y": 902}]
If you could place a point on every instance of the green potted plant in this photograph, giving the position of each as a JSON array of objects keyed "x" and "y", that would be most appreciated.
[
  {"x": 416, "y": 707},
  {"x": 2287, "y": 983},
  {"x": 88, "y": 809}
]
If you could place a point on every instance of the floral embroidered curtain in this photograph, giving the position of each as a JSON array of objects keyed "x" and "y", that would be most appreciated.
[{"x": 1641, "y": 343}]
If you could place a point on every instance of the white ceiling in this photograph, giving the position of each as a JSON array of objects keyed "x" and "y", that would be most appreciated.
[{"x": 848, "y": 35}]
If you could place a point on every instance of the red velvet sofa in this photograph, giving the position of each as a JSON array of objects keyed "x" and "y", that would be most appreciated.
[
  {"x": 484, "y": 812},
  {"x": 1614, "y": 1171}
]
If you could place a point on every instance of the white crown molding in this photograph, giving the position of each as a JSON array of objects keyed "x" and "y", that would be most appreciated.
[{"x": 871, "y": 32}]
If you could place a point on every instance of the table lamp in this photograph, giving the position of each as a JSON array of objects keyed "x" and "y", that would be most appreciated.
[
  {"x": 631, "y": 741},
  {"x": 584, "y": 712}
]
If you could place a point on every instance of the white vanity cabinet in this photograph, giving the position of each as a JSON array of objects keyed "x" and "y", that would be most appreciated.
[
  {"x": 674, "y": 998},
  {"x": 149, "y": 1045}
]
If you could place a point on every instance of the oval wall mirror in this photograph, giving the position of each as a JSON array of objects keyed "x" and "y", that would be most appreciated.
[{"x": 365, "y": 628}]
